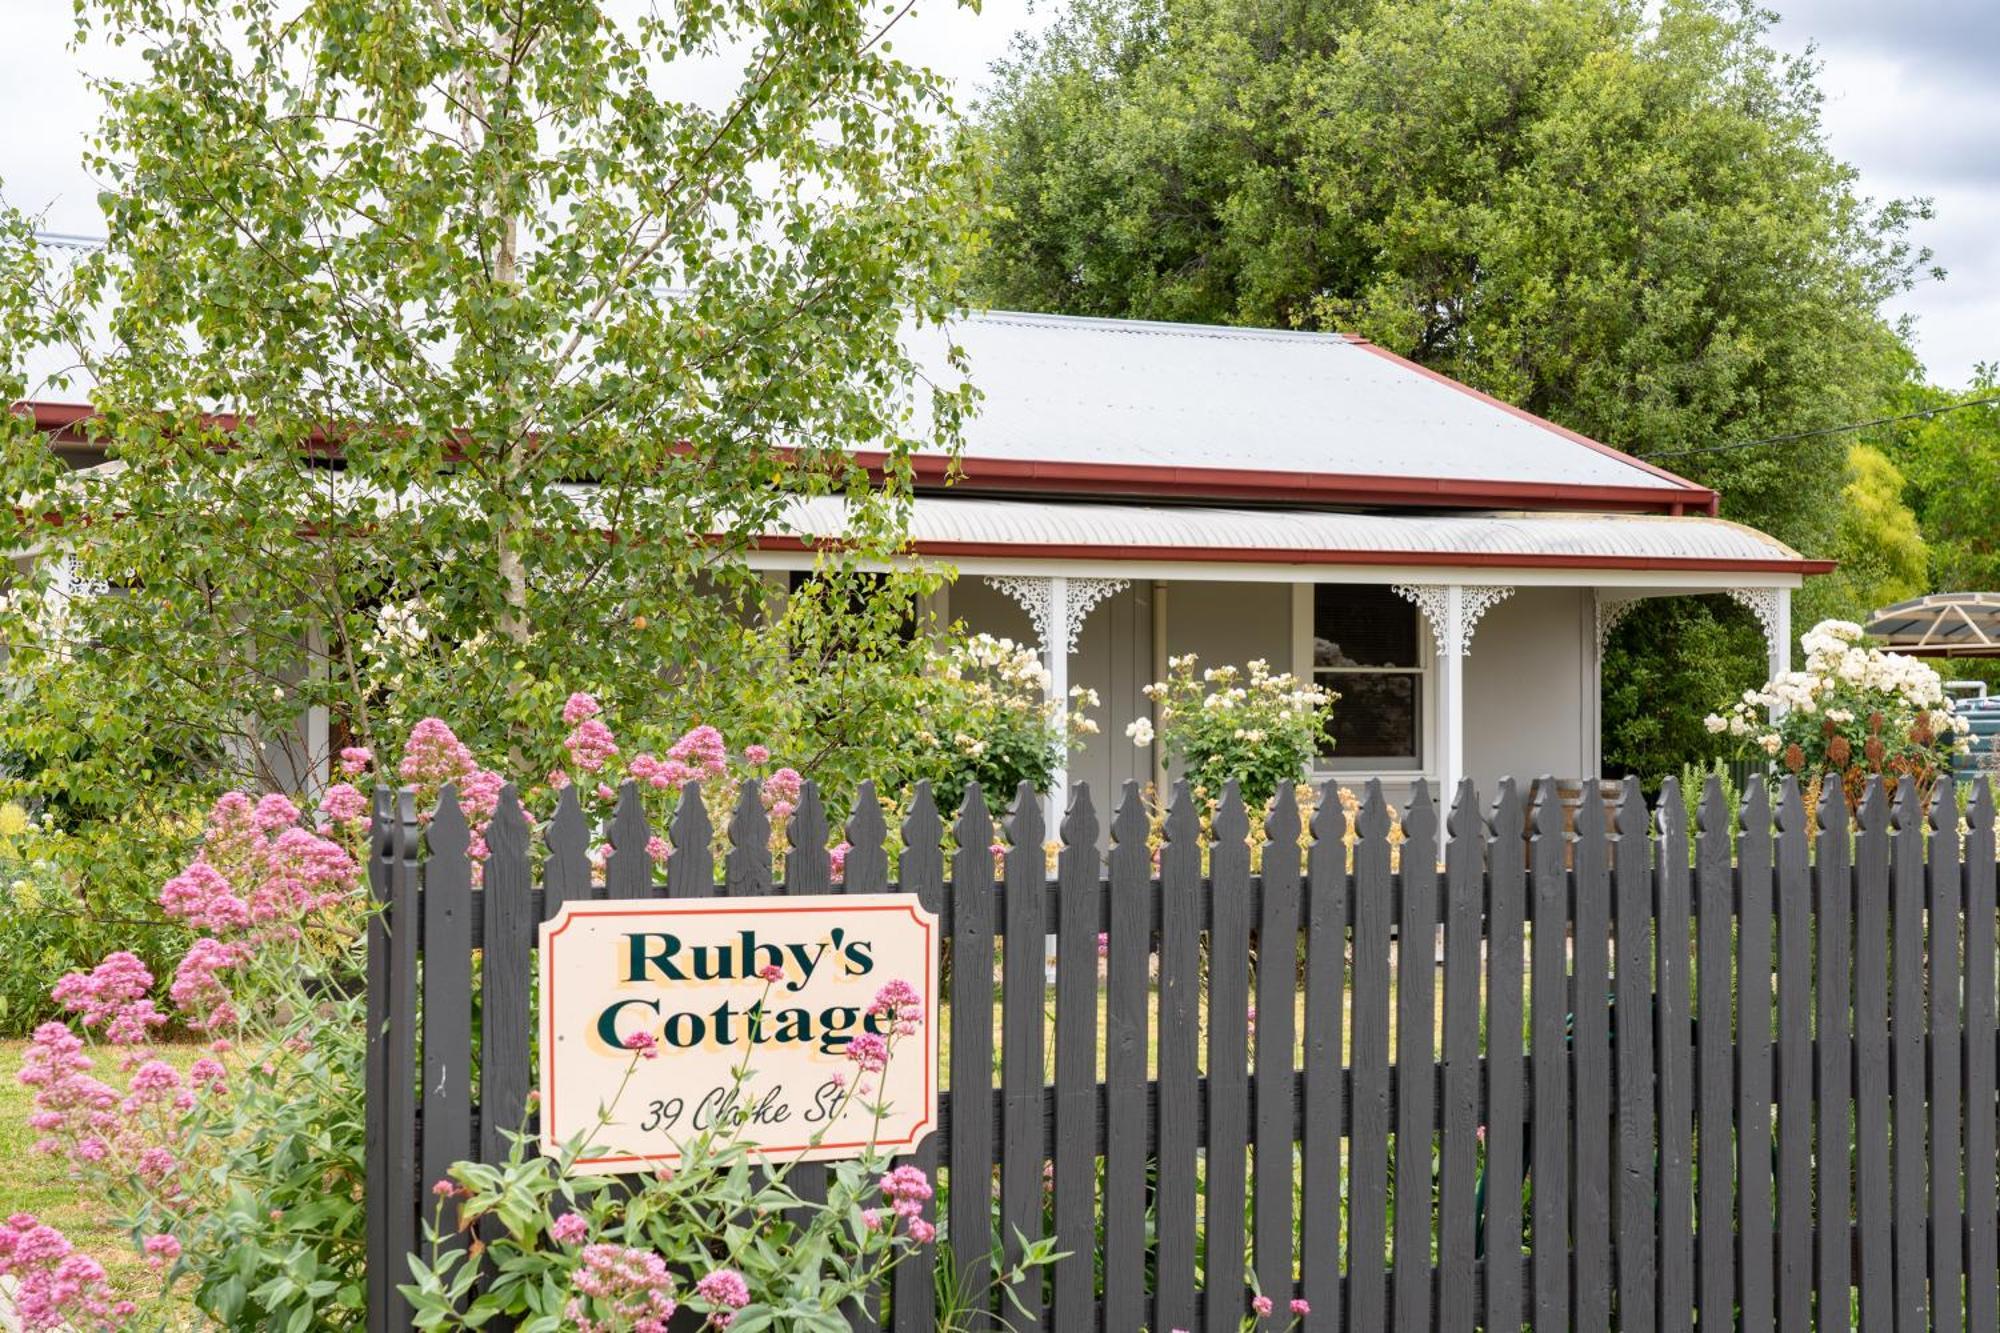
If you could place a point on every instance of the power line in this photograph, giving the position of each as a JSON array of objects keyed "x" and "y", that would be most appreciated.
[{"x": 1924, "y": 414}]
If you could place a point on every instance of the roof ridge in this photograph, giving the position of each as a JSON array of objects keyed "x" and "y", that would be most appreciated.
[{"x": 1159, "y": 328}]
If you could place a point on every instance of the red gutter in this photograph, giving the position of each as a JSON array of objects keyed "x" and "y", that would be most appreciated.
[{"x": 1255, "y": 555}]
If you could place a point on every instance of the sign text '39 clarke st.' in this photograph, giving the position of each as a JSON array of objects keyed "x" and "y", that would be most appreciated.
[{"x": 783, "y": 987}]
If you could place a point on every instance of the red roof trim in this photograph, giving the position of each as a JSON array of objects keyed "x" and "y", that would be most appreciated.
[
  {"x": 1525, "y": 415},
  {"x": 1256, "y": 555},
  {"x": 1053, "y": 476},
  {"x": 1049, "y": 476}
]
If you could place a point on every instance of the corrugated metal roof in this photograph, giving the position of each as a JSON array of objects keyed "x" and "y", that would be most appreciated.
[
  {"x": 1137, "y": 394},
  {"x": 1115, "y": 531}
]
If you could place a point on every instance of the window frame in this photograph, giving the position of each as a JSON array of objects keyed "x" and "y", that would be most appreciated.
[{"x": 1425, "y": 672}]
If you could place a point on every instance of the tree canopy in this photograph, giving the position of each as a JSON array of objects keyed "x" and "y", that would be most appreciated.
[
  {"x": 1623, "y": 217},
  {"x": 449, "y": 356}
]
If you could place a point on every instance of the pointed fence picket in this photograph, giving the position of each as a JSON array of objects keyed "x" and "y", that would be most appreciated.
[{"x": 1751, "y": 1082}]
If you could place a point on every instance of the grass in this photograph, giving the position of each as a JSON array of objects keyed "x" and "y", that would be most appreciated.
[{"x": 41, "y": 1185}]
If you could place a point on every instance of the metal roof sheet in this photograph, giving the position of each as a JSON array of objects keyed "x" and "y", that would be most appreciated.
[
  {"x": 1132, "y": 393},
  {"x": 966, "y": 524}
]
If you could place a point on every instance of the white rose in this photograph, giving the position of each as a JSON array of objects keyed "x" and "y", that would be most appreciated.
[{"x": 1141, "y": 732}]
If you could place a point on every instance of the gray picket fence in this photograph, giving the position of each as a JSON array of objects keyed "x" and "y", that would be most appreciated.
[{"x": 1491, "y": 1075}]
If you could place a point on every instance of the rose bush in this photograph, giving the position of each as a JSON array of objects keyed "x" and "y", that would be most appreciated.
[
  {"x": 1256, "y": 726},
  {"x": 984, "y": 715},
  {"x": 1853, "y": 713}
]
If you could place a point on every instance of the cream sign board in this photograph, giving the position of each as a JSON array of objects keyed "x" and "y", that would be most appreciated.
[{"x": 693, "y": 979}]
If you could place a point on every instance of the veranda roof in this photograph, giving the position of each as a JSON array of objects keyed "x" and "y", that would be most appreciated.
[
  {"x": 1943, "y": 624},
  {"x": 957, "y": 527}
]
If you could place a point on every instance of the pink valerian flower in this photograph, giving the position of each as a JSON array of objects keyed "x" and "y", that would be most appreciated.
[
  {"x": 703, "y": 751},
  {"x": 1261, "y": 1304},
  {"x": 900, "y": 1001},
  {"x": 836, "y": 859},
  {"x": 356, "y": 760},
  {"x": 198, "y": 989},
  {"x": 605, "y": 793},
  {"x": 1301, "y": 1307},
  {"x": 658, "y": 849},
  {"x": 871, "y": 1219},
  {"x": 161, "y": 1250},
  {"x": 922, "y": 1232},
  {"x": 660, "y": 774},
  {"x": 591, "y": 745},
  {"x": 55, "y": 1285},
  {"x": 274, "y": 812},
  {"x": 72, "y": 1107},
  {"x": 343, "y": 803},
  {"x": 757, "y": 754},
  {"x": 868, "y": 1051},
  {"x": 113, "y": 995},
  {"x": 724, "y": 1288},
  {"x": 208, "y": 1075},
  {"x": 619, "y": 1288},
  {"x": 580, "y": 707},
  {"x": 781, "y": 792},
  {"x": 1103, "y": 944},
  {"x": 434, "y": 755},
  {"x": 202, "y": 896},
  {"x": 772, "y": 973},
  {"x": 569, "y": 1228},
  {"x": 645, "y": 1043}
]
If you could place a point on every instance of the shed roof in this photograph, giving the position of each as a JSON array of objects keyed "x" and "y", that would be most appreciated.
[
  {"x": 1132, "y": 407},
  {"x": 1943, "y": 624}
]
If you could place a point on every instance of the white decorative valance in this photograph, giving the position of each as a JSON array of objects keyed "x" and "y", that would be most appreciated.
[
  {"x": 1453, "y": 610},
  {"x": 1057, "y": 625}
]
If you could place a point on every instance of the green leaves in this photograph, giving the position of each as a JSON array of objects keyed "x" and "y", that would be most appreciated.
[{"x": 450, "y": 312}]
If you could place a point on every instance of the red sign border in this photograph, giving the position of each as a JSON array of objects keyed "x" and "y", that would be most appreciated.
[{"x": 657, "y": 907}]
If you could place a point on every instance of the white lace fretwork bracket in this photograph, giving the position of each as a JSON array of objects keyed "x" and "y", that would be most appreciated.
[
  {"x": 1454, "y": 638},
  {"x": 1036, "y": 596},
  {"x": 1765, "y": 604}
]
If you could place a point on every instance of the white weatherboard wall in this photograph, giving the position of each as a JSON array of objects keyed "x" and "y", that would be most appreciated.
[{"x": 1527, "y": 689}]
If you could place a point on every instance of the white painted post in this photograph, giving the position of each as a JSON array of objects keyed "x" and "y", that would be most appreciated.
[
  {"x": 1451, "y": 692},
  {"x": 1055, "y": 646},
  {"x": 1781, "y": 633}
]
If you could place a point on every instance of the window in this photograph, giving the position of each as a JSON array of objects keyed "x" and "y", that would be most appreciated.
[{"x": 1366, "y": 647}]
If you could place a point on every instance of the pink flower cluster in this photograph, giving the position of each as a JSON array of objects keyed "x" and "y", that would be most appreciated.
[
  {"x": 114, "y": 996},
  {"x": 55, "y": 1285},
  {"x": 726, "y": 1292},
  {"x": 899, "y": 1000},
  {"x": 436, "y": 756},
  {"x": 906, "y": 1189},
  {"x": 619, "y": 1288},
  {"x": 356, "y": 760},
  {"x": 868, "y": 1051},
  {"x": 591, "y": 745},
  {"x": 74, "y": 1111},
  {"x": 781, "y": 793},
  {"x": 343, "y": 803},
  {"x": 569, "y": 1228}
]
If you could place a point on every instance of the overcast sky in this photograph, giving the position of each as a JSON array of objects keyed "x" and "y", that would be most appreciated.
[{"x": 1911, "y": 100}]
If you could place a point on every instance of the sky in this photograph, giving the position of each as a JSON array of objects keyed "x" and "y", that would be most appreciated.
[{"x": 1911, "y": 102}]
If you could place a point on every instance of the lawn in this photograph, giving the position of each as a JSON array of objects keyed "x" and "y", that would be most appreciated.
[{"x": 40, "y": 1184}]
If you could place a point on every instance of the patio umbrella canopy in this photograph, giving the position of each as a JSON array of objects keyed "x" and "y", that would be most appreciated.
[{"x": 1944, "y": 624}]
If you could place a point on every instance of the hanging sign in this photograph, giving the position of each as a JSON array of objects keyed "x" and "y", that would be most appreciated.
[{"x": 678, "y": 1017}]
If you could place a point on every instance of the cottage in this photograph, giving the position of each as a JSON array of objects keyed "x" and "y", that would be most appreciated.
[
  {"x": 1131, "y": 491},
  {"x": 1448, "y": 563}
]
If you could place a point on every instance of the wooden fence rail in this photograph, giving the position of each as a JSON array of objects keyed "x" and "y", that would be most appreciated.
[{"x": 1465, "y": 1069}]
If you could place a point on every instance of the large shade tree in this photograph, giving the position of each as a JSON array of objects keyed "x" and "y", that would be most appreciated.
[
  {"x": 448, "y": 355},
  {"x": 1624, "y": 217}
]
